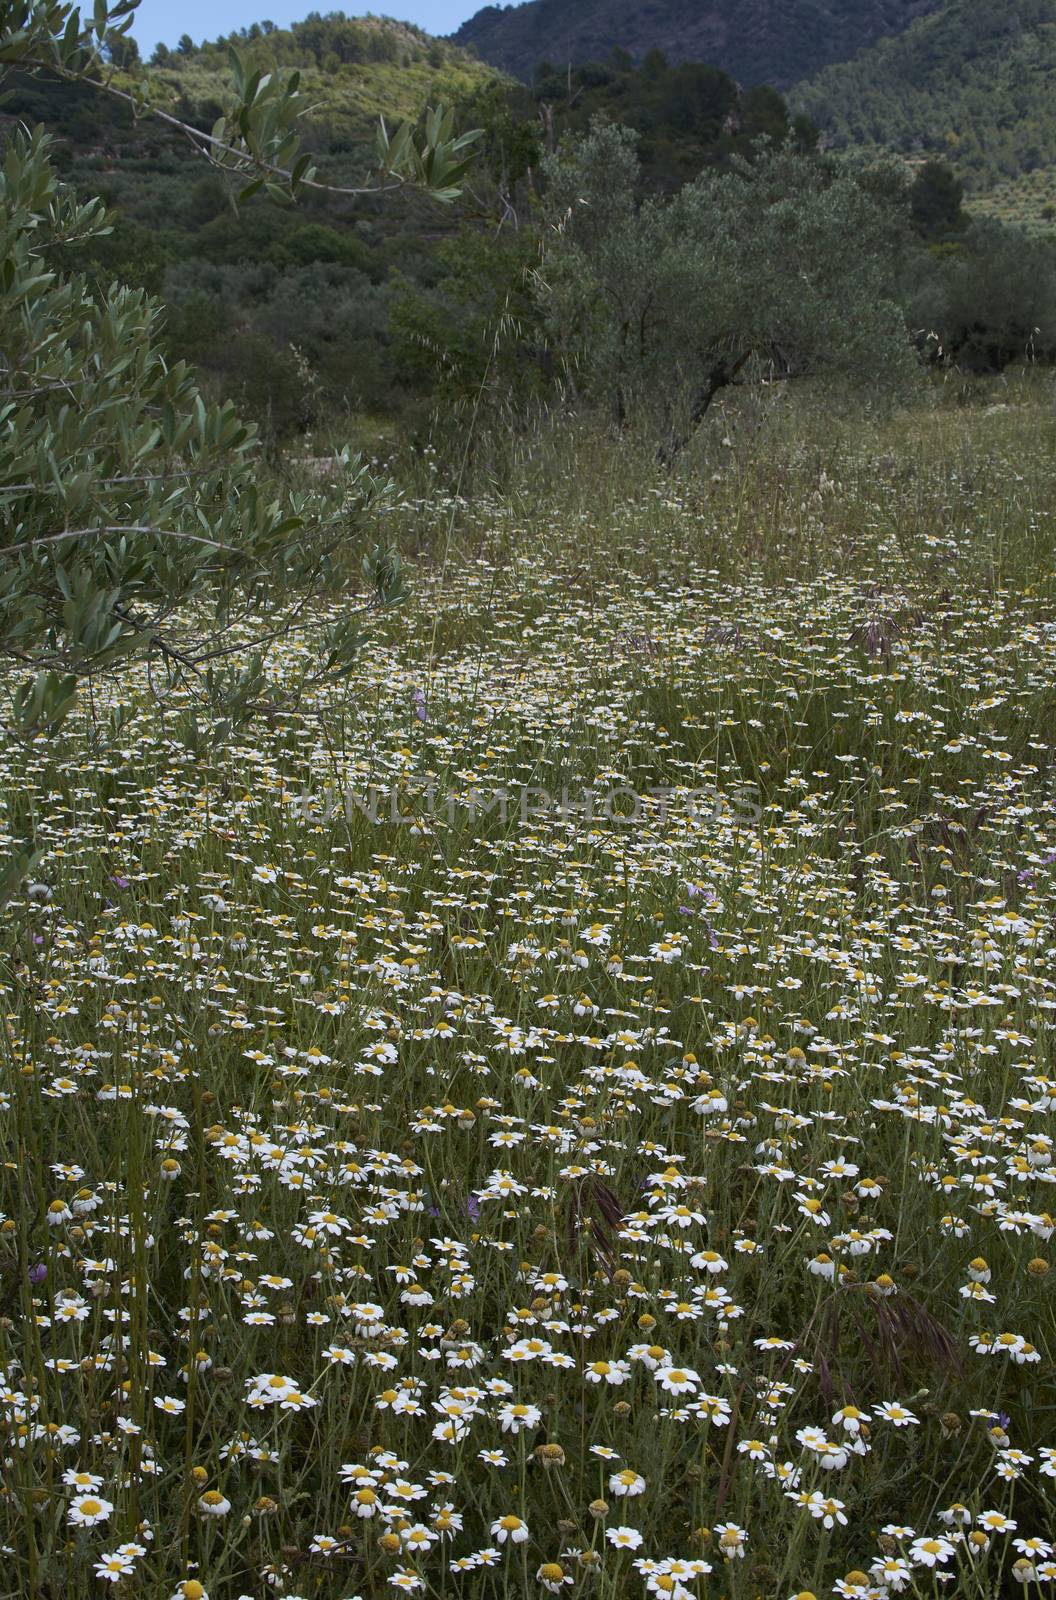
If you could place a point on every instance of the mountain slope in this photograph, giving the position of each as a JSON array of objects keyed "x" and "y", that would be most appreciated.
[
  {"x": 757, "y": 41},
  {"x": 974, "y": 83},
  {"x": 354, "y": 69},
  {"x": 282, "y": 307}
]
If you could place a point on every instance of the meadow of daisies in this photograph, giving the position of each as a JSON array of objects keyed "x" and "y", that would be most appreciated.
[{"x": 649, "y": 1194}]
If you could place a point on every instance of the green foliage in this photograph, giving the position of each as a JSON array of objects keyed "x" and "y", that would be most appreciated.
[
  {"x": 256, "y": 138},
  {"x": 972, "y": 83},
  {"x": 124, "y": 53},
  {"x": 688, "y": 115},
  {"x": 985, "y": 300},
  {"x": 935, "y": 201},
  {"x": 477, "y": 339},
  {"x": 132, "y": 515},
  {"x": 756, "y": 41},
  {"x": 351, "y": 297},
  {"x": 352, "y": 71},
  {"x": 512, "y": 134},
  {"x": 254, "y": 134},
  {"x": 134, "y": 518},
  {"x": 176, "y": 223},
  {"x": 1027, "y": 202},
  {"x": 785, "y": 264}
]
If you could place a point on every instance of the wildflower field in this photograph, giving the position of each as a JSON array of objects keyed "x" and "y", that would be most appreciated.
[{"x": 571, "y": 1110}]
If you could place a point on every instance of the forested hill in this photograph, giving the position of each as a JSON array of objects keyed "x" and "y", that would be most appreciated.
[
  {"x": 353, "y": 68},
  {"x": 282, "y": 307},
  {"x": 758, "y": 41},
  {"x": 311, "y": 311},
  {"x": 975, "y": 83}
]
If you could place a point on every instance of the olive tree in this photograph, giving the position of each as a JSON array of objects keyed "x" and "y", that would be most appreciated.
[
  {"x": 599, "y": 284},
  {"x": 783, "y": 263},
  {"x": 135, "y": 521},
  {"x": 133, "y": 517}
]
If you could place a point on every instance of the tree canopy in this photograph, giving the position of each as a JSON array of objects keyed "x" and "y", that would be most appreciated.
[{"x": 784, "y": 264}]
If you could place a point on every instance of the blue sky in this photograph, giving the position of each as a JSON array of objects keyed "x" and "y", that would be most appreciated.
[{"x": 163, "y": 21}]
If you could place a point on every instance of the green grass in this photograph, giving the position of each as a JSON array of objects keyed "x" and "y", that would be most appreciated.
[{"x": 232, "y": 1002}]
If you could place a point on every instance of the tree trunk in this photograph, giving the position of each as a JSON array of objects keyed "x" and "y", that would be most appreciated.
[{"x": 720, "y": 377}]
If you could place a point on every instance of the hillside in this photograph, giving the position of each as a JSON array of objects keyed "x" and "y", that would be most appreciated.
[
  {"x": 756, "y": 41},
  {"x": 280, "y": 306},
  {"x": 312, "y": 311},
  {"x": 353, "y": 68},
  {"x": 352, "y": 71},
  {"x": 974, "y": 83}
]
